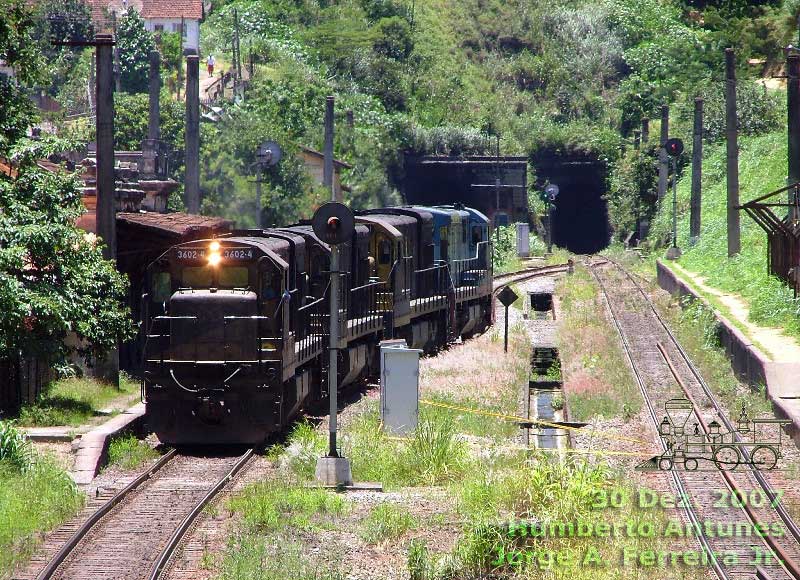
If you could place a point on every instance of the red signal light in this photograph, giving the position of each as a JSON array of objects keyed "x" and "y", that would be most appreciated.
[{"x": 334, "y": 223}]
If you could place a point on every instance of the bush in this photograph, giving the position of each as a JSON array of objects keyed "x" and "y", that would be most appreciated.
[
  {"x": 758, "y": 110},
  {"x": 15, "y": 450},
  {"x": 386, "y": 522},
  {"x": 129, "y": 452}
]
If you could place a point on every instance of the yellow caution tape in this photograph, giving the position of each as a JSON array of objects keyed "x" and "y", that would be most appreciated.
[{"x": 516, "y": 419}]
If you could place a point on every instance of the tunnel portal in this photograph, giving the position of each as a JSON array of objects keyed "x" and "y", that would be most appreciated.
[{"x": 580, "y": 214}]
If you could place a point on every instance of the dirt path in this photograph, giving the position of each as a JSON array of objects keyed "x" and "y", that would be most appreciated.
[{"x": 776, "y": 344}]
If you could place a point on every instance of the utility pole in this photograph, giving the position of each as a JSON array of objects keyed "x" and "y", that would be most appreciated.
[
  {"x": 180, "y": 66},
  {"x": 333, "y": 223},
  {"x": 497, "y": 187},
  {"x": 105, "y": 186},
  {"x": 663, "y": 160},
  {"x": 154, "y": 91},
  {"x": 697, "y": 172},
  {"x": 645, "y": 130},
  {"x": 327, "y": 170},
  {"x": 731, "y": 133},
  {"x": 192, "y": 177},
  {"x": 106, "y": 216},
  {"x": 793, "y": 122},
  {"x": 237, "y": 54},
  {"x": 117, "y": 69}
]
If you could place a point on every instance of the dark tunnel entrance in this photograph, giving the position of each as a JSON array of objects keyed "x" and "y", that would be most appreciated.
[{"x": 580, "y": 214}]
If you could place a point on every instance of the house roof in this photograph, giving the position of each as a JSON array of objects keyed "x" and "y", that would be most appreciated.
[
  {"x": 315, "y": 153},
  {"x": 176, "y": 224},
  {"x": 190, "y": 9}
]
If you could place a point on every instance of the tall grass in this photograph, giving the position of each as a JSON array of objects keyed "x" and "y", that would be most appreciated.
[
  {"x": 74, "y": 401},
  {"x": 15, "y": 449},
  {"x": 599, "y": 381},
  {"x": 32, "y": 501},
  {"x": 386, "y": 521},
  {"x": 274, "y": 505},
  {"x": 129, "y": 452},
  {"x": 762, "y": 168},
  {"x": 254, "y": 557}
]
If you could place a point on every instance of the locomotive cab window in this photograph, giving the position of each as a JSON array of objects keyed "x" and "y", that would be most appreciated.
[
  {"x": 385, "y": 252},
  {"x": 162, "y": 287},
  {"x": 196, "y": 277},
  {"x": 270, "y": 285},
  {"x": 233, "y": 277},
  {"x": 476, "y": 234}
]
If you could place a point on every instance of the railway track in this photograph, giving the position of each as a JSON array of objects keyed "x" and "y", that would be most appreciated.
[
  {"x": 502, "y": 280},
  {"x": 136, "y": 532},
  {"x": 664, "y": 371}
]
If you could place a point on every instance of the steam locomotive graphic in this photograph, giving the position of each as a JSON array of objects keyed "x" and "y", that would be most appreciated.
[{"x": 705, "y": 447}]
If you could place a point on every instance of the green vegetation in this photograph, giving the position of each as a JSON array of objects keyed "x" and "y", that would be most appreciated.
[
  {"x": 762, "y": 168},
  {"x": 599, "y": 380},
  {"x": 129, "y": 452},
  {"x": 386, "y": 522},
  {"x": 75, "y": 401},
  {"x": 15, "y": 450},
  {"x": 272, "y": 505},
  {"x": 434, "y": 454},
  {"x": 35, "y": 496},
  {"x": 253, "y": 557},
  {"x": 515, "y": 490},
  {"x": 53, "y": 278}
]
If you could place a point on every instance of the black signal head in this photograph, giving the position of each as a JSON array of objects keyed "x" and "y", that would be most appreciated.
[{"x": 333, "y": 223}]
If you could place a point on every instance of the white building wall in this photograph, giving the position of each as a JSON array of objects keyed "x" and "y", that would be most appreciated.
[{"x": 191, "y": 38}]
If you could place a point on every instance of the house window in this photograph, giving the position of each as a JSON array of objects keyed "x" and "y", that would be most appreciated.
[
  {"x": 176, "y": 27},
  {"x": 159, "y": 28}
]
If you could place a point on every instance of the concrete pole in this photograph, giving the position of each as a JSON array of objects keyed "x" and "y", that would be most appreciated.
[
  {"x": 192, "y": 185},
  {"x": 663, "y": 158},
  {"x": 106, "y": 218},
  {"x": 108, "y": 368},
  {"x": 793, "y": 122},
  {"x": 154, "y": 87},
  {"x": 697, "y": 171},
  {"x": 731, "y": 133},
  {"x": 117, "y": 69},
  {"x": 327, "y": 172},
  {"x": 258, "y": 195},
  {"x": 645, "y": 130}
]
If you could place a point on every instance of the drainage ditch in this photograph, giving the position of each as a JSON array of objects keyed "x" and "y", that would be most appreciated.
[{"x": 545, "y": 396}]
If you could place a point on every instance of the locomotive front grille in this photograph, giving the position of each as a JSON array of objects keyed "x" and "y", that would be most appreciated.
[{"x": 214, "y": 325}]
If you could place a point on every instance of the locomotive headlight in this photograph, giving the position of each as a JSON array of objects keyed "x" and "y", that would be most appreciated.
[
  {"x": 214, "y": 246},
  {"x": 214, "y": 258}
]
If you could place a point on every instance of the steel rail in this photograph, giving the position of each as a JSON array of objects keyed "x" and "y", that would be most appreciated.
[
  {"x": 56, "y": 561},
  {"x": 526, "y": 274},
  {"x": 786, "y": 560},
  {"x": 690, "y": 511},
  {"x": 791, "y": 525},
  {"x": 160, "y": 566}
]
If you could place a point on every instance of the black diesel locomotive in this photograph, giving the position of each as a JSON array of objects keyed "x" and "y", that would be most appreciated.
[{"x": 237, "y": 326}]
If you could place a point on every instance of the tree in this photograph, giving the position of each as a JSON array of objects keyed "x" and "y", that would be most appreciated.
[
  {"x": 53, "y": 279},
  {"x": 135, "y": 44}
]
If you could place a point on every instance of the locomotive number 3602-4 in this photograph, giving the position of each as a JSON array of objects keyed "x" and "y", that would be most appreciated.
[{"x": 238, "y": 253}]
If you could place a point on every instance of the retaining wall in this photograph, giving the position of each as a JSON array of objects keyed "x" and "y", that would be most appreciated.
[{"x": 748, "y": 362}]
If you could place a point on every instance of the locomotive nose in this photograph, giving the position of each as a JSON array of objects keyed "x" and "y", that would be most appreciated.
[{"x": 213, "y": 325}]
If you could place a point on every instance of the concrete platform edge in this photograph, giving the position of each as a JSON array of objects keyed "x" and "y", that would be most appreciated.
[
  {"x": 93, "y": 447},
  {"x": 748, "y": 361}
]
